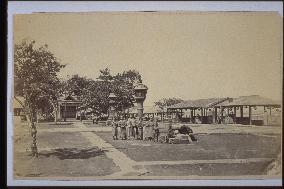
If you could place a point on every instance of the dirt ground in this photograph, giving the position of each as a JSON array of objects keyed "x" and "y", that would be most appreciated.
[
  {"x": 211, "y": 146},
  {"x": 61, "y": 154},
  {"x": 69, "y": 154}
]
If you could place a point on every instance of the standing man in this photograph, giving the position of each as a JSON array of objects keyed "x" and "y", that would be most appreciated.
[
  {"x": 129, "y": 128},
  {"x": 119, "y": 128},
  {"x": 135, "y": 128},
  {"x": 140, "y": 129},
  {"x": 114, "y": 129},
  {"x": 123, "y": 129},
  {"x": 156, "y": 131}
]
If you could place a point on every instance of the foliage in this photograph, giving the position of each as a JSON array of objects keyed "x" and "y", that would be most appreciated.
[
  {"x": 36, "y": 80},
  {"x": 94, "y": 93},
  {"x": 165, "y": 102}
]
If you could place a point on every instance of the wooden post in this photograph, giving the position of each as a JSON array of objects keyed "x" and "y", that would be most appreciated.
[
  {"x": 242, "y": 111},
  {"x": 228, "y": 111},
  {"x": 215, "y": 114},
  {"x": 194, "y": 115},
  {"x": 222, "y": 109},
  {"x": 202, "y": 114},
  {"x": 250, "y": 122},
  {"x": 235, "y": 114},
  {"x": 64, "y": 111}
]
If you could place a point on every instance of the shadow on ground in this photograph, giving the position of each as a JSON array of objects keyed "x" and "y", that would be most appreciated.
[
  {"x": 73, "y": 153},
  {"x": 58, "y": 124}
]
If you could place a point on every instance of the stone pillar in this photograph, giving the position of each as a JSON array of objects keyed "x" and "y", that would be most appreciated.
[
  {"x": 111, "y": 112},
  {"x": 140, "y": 109},
  {"x": 140, "y": 95}
]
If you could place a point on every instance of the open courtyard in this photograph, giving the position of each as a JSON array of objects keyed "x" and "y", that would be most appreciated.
[{"x": 84, "y": 151}]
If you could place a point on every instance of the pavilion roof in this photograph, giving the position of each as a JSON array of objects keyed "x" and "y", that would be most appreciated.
[
  {"x": 252, "y": 100},
  {"x": 68, "y": 98},
  {"x": 200, "y": 103}
]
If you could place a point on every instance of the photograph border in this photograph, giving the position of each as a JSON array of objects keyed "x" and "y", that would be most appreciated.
[{"x": 26, "y": 7}]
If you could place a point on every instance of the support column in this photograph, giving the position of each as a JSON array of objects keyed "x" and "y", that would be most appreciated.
[
  {"x": 191, "y": 115},
  {"x": 222, "y": 116},
  {"x": 235, "y": 116},
  {"x": 59, "y": 111},
  {"x": 140, "y": 109},
  {"x": 250, "y": 122},
  {"x": 228, "y": 111},
  {"x": 202, "y": 114},
  {"x": 194, "y": 115},
  {"x": 215, "y": 115},
  {"x": 242, "y": 111}
]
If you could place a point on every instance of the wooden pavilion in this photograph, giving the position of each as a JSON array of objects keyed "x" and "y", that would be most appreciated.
[
  {"x": 68, "y": 107},
  {"x": 251, "y": 110},
  {"x": 201, "y": 110}
]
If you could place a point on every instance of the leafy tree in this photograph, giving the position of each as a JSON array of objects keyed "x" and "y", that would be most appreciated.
[
  {"x": 94, "y": 93},
  {"x": 36, "y": 80},
  {"x": 165, "y": 102},
  {"x": 123, "y": 87}
]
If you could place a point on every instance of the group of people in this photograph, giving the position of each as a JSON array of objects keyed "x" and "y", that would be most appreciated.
[{"x": 135, "y": 128}]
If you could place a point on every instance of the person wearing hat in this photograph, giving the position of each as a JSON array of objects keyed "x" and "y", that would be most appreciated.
[
  {"x": 114, "y": 129},
  {"x": 129, "y": 127},
  {"x": 135, "y": 128},
  {"x": 156, "y": 131},
  {"x": 119, "y": 136},
  {"x": 123, "y": 129},
  {"x": 140, "y": 129}
]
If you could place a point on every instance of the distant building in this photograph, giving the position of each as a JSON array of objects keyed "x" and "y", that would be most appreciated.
[
  {"x": 68, "y": 107},
  {"x": 246, "y": 110},
  {"x": 17, "y": 106},
  {"x": 197, "y": 111},
  {"x": 253, "y": 110}
]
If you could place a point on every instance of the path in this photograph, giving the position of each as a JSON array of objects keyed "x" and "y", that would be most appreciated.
[
  {"x": 127, "y": 165},
  {"x": 120, "y": 159}
]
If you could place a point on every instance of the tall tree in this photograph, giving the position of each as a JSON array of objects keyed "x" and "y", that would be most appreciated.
[
  {"x": 94, "y": 93},
  {"x": 36, "y": 70},
  {"x": 123, "y": 87}
]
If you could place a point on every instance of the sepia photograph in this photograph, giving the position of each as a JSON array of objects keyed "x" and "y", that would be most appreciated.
[{"x": 163, "y": 95}]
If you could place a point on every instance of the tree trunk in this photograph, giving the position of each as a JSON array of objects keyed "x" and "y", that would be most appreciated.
[
  {"x": 30, "y": 119},
  {"x": 55, "y": 118},
  {"x": 33, "y": 131},
  {"x": 55, "y": 114}
]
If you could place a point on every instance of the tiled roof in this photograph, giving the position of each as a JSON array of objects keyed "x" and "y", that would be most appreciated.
[
  {"x": 205, "y": 103},
  {"x": 69, "y": 97},
  {"x": 252, "y": 100}
]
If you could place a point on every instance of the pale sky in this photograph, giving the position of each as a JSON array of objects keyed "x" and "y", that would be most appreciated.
[{"x": 185, "y": 55}]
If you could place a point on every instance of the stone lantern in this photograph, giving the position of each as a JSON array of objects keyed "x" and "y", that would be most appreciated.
[
  {"x": 112, "y": 97},
  {"x": 140, "y": 95}
]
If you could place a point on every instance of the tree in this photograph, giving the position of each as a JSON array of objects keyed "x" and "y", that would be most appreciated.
[
  {"x": 123, "y": 86},
  {"x": 36, "y": 80},
  {"x": 165, "y": 102},
  {"x": 94, "y": 93}
]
